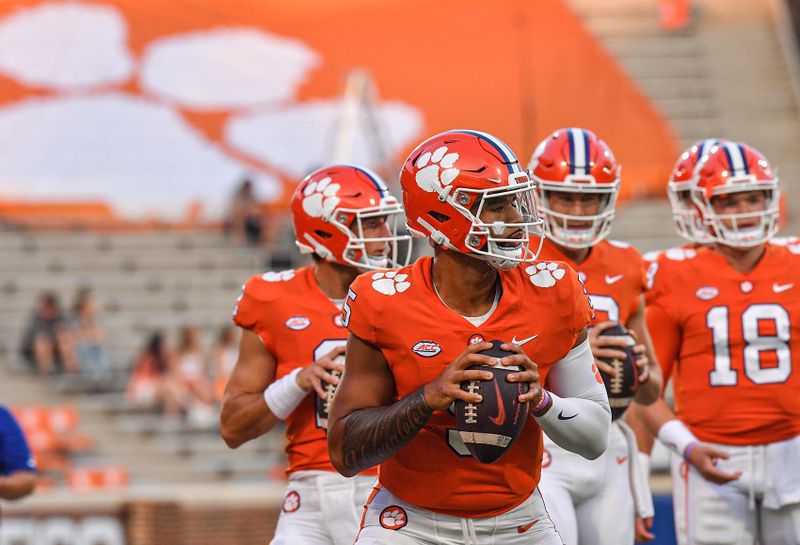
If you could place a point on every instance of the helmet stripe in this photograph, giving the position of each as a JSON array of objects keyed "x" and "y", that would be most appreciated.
[
  {"x": 704, "y": 147},
  {"x": 505, "y": 152},
  {"x": 735, "y": 158},
  {"x": 374, "y": 178},
  {"x": 744, "y": 159},
  {"x": 571, "y": 151},
  {"x": 578, "y": 151},
  {"x": 588, "y": 160}
]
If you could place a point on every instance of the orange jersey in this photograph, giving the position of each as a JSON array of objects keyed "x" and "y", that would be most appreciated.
[
  {"x": 297, "y": 324},
  {"x": 543, "y": 307},
  {"x": 613, "y": 274},
  {"x": 734, "y": 339}
]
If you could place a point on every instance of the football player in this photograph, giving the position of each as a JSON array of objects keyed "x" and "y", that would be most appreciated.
[
  {"x": 689, "y": 225},
  {"x": 578, "y": 179},
  {"x": 290, "y": 354},
  {"x": 415, "y": 331},
  {"x": 725, "y": 323}
]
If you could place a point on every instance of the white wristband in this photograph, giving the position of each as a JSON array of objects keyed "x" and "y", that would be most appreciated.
[
  {"x": 284, "y": 395},
  {"x": 676, "y": 436}
]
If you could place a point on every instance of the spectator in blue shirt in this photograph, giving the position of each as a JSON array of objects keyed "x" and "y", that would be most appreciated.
[{"x": 17, "y": 467}]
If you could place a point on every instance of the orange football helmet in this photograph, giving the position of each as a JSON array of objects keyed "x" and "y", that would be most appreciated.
[
  {"x": 575, "y": 160},
  {"x": 688, "y": 221},
  {"x": 734, "y": 167},
  {"x": 451, "y": 178},
  {"x": 329, "y": 208}
]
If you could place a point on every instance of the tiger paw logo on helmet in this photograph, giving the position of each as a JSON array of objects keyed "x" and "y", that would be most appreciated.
[
  {"x": 430, "y": 175},
  {"x": 390, "y": 283},
  {"x": 545, "y": 275},
  {"x": 393, "y": 518},
  {"x": 320, "y": 198}
]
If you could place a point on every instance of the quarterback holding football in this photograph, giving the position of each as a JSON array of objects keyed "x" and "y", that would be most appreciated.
[{"x": 415, "y": 334}]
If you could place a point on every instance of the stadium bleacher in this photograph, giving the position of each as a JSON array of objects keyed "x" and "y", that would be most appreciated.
[{"x": 141, "y": 282}]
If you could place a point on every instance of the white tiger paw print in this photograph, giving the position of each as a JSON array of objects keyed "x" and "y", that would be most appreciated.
[
  {"x": 320, "y": 198},
  {"x": 680, "y": 254},
  {"x": 545, "y": 275},
  {"x": 281, "y": 276},
  {"x": 430, "y": 176},
  {"x": 393, "y": 518},
  {"x": 389, "y": 283}
]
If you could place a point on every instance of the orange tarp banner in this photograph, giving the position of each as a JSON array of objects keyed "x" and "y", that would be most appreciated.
[{"x": 517, "y": 69}]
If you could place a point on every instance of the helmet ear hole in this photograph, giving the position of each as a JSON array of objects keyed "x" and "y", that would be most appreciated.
[
  {"x": 438, "y": 216},
  {"x": 322, "y": 234}
]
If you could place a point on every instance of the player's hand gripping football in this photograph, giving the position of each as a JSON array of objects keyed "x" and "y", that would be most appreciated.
[
  {"x": 704, "y": 459},
  {"x": 446, "y": 388},
  {"x": 313, "y": 375},
  {"x": 642, "y": 361},
  {"x": 529, "y": 372},
  {"x": 604, "y": 346}
]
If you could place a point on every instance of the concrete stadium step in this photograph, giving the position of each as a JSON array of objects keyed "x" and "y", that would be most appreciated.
[
  {"x": 83, "y": 263},
  {"x": 32, "y": 242},
  {"x": 67, "y": 283},
  {"x": 647, "y": 225},
  {"x": 654, "y": 47},
  {"x": 662, "y": 87}
]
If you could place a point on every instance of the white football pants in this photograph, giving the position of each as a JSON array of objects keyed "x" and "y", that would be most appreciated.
[
  {"x": 388, "y": 520},
  {"x": 762, "y": 506},
  {"x": 590, "y": 501},
  {"x": 322, "y": 508}
]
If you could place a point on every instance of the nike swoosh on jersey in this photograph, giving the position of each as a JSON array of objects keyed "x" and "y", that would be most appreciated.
[
  {"x": 614, "y": 279},
  {"x": 501, "y": 410},
  {"x": 522, "y": 341},
  {"x": 562, "y": 417},
  {"x": 778, "y": 288},
  {"x": 525, "y": 527},
  {"x": 621, "y": 459}
]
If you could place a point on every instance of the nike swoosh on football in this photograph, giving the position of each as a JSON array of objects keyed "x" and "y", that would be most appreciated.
[
  {"x": 613, "y": 279},
  {"x": 777, "y": 288},
  {"x": 562, "y": 417},
  {"x": 522, "y": 341},
  {"x": 501, "y": 410},
  {"x": 525, "y": 527}
]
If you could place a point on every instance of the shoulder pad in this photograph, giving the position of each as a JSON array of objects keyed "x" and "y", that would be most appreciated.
[
  {"x": 619, "y": 244},
  {"x": 680, "y": 253}
]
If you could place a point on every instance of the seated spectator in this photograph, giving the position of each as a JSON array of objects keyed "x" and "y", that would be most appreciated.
[
  {"x": 48, "y": 343},
  {"x": 92, "y": 360},
  {"x": 152, "y": 384},
  {"x": 246, "y": 219},
  {"x": 17, "y": 466},
  {"x": 192, "y": 374},
  {"x": 225, "y": 353}
]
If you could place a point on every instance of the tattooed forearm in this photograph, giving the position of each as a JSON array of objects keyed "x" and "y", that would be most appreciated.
[{"x": 373, "y": 435}]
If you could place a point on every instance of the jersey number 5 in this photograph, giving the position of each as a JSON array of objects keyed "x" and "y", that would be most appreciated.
[
  {"x": 351, "y": 296},
  {"x": 756, "y": 343}
]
